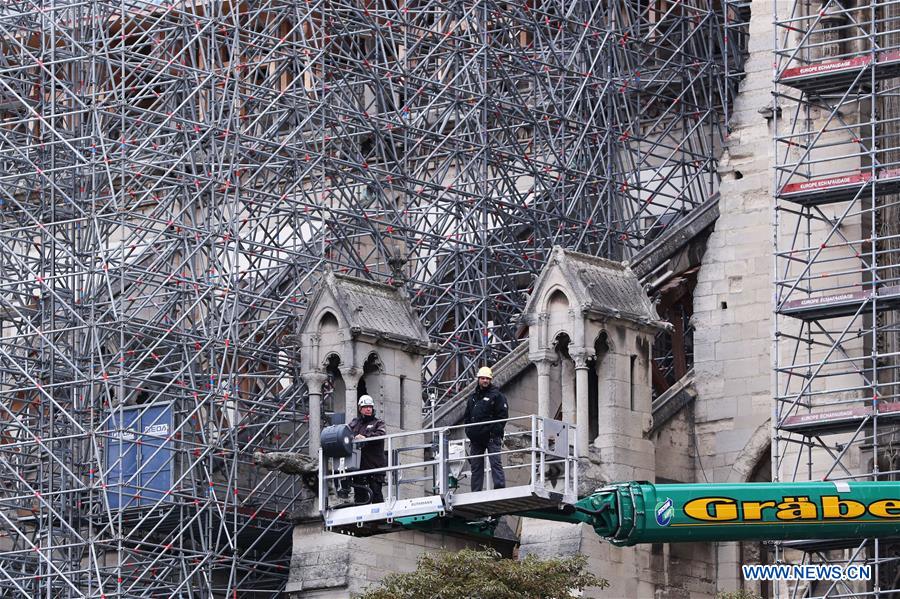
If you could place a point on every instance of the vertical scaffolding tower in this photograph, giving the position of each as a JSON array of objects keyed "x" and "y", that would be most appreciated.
[
  {"x": 837, "y": 292},
  {"x": 177, "y": 174}
]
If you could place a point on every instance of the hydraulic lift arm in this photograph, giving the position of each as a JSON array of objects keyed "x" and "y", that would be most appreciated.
[
  {"x": 640, "y": 512},
  {"x": 625, "y": 513}
]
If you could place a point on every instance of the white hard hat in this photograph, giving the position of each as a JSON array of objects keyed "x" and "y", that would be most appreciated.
[{"x": 366, "y": 400}]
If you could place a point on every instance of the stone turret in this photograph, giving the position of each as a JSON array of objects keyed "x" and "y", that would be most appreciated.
[
  {"x": 358, "y": 337},
  {"x": 591, "y": 319}
]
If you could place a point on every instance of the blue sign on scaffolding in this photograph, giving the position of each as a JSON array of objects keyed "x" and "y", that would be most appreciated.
[{"x": 139, "y": 456}]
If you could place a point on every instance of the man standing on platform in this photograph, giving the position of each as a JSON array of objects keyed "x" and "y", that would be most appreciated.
[
  {"x": 365, "y": 426},
  {"x": 485, "y": 405}
]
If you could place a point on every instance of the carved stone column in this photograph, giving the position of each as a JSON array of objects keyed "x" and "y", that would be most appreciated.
[
  {"x": 543, "y": 370},
  {"x": 582, "y": 401},
  {"x": 351, "y": 383},
  {"x": 543, "y": 332},
  {"x": 567, "y": 379},
  {"x": 314, "y": 382}
]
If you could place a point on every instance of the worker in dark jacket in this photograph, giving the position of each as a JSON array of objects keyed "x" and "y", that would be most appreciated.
[
  {"x": 485, "y": 405},
  {"x": 366, "y": 426}
]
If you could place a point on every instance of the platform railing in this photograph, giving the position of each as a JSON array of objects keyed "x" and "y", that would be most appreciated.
[{"x": 425, "y": 470}]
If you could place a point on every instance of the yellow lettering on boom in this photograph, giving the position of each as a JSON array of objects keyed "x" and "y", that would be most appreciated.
[
  {"x": 753, "y": 509},
  {"x": 712, "y": 509},
  {"x": 796, "y": 508},
  {"x": 835, "y": 507},
  {"x": 886, "y": 508}
]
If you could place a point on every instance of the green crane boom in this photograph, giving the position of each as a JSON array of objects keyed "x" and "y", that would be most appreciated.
[
  {"x": 625, "y": 513},
  {"x": 631, "y": 513},
  {"x": 640, "y": 512}
]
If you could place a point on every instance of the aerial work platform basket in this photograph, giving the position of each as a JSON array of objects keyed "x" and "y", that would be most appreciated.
[{"x": 427, "y": 475}]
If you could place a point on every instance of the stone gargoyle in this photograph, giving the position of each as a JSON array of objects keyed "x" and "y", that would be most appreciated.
[{"x": 290, "y": 462}]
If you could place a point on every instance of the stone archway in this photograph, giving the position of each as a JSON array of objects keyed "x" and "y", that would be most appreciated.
[
  {"x": 754, "y": 465},
  {"x": 334, "y": 390},
  {"x": 566, "y": 406},
  {"x": 758, "y": 552},
  {"x": 758, "y": 446}
]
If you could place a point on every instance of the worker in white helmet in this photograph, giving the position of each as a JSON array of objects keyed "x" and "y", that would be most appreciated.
[
  {"x": 485, "y": 405},
  {"x": 367, "y": 488}
]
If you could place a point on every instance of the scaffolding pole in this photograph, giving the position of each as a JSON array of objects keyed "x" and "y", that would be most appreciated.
[
  {"x": 177, "y": 175},
  {"x": 837, "y": 289}
]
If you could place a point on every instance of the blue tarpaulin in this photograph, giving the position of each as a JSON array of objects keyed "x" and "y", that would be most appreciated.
[{"x": 139, "y": 457}]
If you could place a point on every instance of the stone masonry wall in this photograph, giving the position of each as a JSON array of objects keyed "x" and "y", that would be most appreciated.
[
  {"x": 326, "y": 565},
  {"x": 733, "y": 297}
]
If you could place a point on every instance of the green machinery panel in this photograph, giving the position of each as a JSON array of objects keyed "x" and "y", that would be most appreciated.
[{"x": 631, "y": 513}]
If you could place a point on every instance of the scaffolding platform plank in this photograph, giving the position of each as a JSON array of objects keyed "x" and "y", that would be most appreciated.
[
  {"x": 837, "y": 75},
  {"x": 843, "y": 188},
  {"x": 498, "y": 502},
  {"x": 840, "y": 304},
  {"x": 839, "y": 421}
]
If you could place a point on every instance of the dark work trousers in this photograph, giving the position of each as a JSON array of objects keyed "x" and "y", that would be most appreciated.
[
  {"x": 366, "y": 489},
  {"x": 476, "y": 463}
]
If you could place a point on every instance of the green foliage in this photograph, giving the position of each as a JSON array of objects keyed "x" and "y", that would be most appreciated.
[
  {"x": 739, "y": 594},
  {"x": 483, "y": 574}
]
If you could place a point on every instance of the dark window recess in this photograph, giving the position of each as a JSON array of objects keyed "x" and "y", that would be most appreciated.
[
  {"x": 402, "y": 395},
  {"x": 631, "y": 381},
  {"x": 593, "y": 402},
  {"x": 673, "y": 352}
]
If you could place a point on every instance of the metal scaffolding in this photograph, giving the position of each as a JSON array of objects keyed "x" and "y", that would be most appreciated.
[
  {"x": 837, "y": 283},
  {"x": 177, "y": 175}
]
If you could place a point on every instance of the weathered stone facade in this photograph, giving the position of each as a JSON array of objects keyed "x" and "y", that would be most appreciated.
[
  {"x": 365, "y": 337},
  {"x": 332, "y": 566},
  {"x": 714, "y": 427},
  {"x": 733, "y": 302}
]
